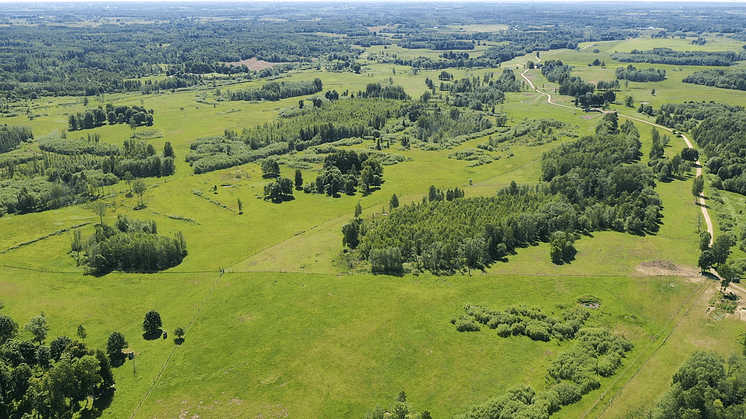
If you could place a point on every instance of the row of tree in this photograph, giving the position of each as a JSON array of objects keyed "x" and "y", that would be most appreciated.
[
  {"x": 11, "y": 137},
  {"x": 670, "y": 56},
  {"x": 135, "y": 116},
  {"x": 274, "y": 90},
  {"x": 596, "y": 353},
  {"x": 632, "y": 73}
]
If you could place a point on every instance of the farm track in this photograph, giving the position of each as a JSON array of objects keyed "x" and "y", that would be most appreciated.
[{"x": 701, "y": 201}]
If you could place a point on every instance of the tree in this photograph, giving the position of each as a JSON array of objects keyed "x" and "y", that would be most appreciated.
[
  {"x": 298, "y": 179},
  {"x": 240, "y": 206},
  {"x": 300, "y": 104},
  {"x": 351, "y": 233},
  {"x": 129, "y": 178},
  {"x": 8, "y": 329},
  {"x": 358, "y": 209},
  {"x": 652, "y": 92},
  {"x": 38, "y": 327},
  {"x": 279, "y": 190},
  {"x": 706, "y": 259},
  {"x": 82, "y": 334},
  {"x": 168, "y": 150},
  {"x": 697, "y": 187},
  {"x": 721, "y": 249},
  {"x": 99, "y": 208},
  {"x": 629, "y": 101},
  {"x": 139, "y": 188},
  {"x": 270, "y": 168},
  {"x": 57, "y": 346},
  {"x": 179, "y": 332},
  {"x": 704, "y": 240},
  {"x": 114, "y": 347},
  {"x": 561, "y": 247},
  {"x": 152, "y": 323},
  {"x": 394, "y": 202},
  {"x": 689, "y": 154}
]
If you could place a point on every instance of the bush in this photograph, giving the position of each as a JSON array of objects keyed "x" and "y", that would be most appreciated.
[
  {"x": 504, "y": 330},
  {"x": 537, "y": 331},
  {"x": 466, "y": 325},
  {"x": 567, "y": 393},
  {"x": 517, "y": 328}
]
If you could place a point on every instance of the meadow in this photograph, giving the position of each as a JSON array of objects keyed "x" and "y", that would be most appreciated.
[{"x": 278, "y": 325}]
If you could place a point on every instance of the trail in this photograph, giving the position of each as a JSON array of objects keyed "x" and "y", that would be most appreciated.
[{"x": 701, "y": 201}]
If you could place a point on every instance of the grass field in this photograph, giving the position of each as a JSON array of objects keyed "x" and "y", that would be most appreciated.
[{"x": 277, "y": 326}]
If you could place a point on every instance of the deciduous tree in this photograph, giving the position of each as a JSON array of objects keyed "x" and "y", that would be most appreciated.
[
  {"x": 152, "y": 322},
  {"x": 38, "y": 327}
]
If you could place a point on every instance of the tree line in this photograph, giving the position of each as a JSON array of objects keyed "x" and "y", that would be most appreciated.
[
  {"x": 632, "y": 73},
  {"x": 134, "y": 115},
  {"x": 732, "y": 79},
  {"x": 585, "y": 96},
  {"x": 11, "y": 137},
  {"x": 574, "y": 373},
  {"x": 274, "y": 91},
  {"x": 669, "y": 56},
  {"x": 303, "y": 128}
]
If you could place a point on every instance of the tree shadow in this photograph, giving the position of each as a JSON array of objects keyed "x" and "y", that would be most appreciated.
[
  {"x": 117, "y": 361},
  {"x": 152, "y": 335}
]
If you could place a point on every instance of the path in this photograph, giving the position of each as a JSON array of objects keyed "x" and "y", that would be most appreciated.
[{"x": 702, "y": 200}]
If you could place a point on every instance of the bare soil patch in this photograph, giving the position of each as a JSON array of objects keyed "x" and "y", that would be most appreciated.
[
  {"x": 667, "y": 268},
  {"x": 255, "y": 64}
]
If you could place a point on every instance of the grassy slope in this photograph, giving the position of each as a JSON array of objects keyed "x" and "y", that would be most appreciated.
[{"x": 313, "y": 345}]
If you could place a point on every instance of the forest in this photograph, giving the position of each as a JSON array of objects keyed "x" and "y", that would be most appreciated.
[
  {"x": 731, "y": 79},
  {"x": 609, "y": 190}
]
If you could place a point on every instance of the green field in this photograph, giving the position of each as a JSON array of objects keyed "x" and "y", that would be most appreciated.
[{"x": 278, "y": 326}]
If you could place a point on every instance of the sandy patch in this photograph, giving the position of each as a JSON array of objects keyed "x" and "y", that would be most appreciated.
[{"x": 666, "y": 268}]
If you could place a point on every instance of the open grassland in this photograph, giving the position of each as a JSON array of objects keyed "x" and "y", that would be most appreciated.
[{"x": 288, "y": 329}]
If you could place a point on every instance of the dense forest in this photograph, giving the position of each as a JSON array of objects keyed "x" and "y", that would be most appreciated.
[
  {"x": 50, "y": 381},
  {"x": 593, "y": 183},
  {"x": 12, "y": 137},
  {"x": 130, "y": 246},
  {"x": 730, "y": 79}
]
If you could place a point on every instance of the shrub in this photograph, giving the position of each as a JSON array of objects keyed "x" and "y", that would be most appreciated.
[
  {"x": 504, "y": 330},
  {"x": 518, "y": 328},
  {"x": 537, "y": 331},
  {"x": 567, "y": 393},
  {"x": 466, "y": 325}
]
